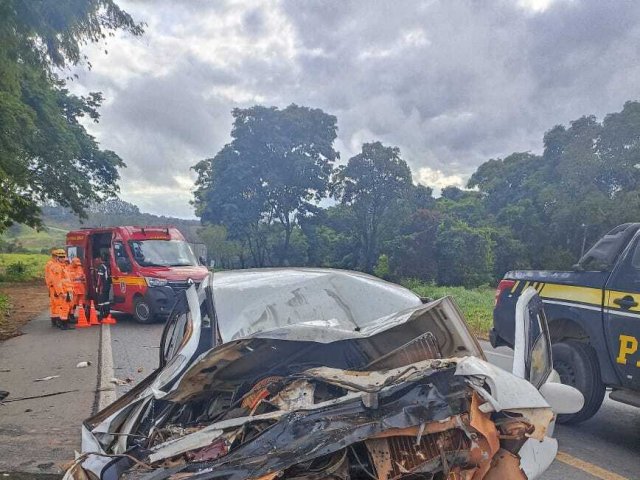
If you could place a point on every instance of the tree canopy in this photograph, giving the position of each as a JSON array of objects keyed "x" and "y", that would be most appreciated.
[
  {"x": 46, "y": 153},
  {"x": 370, "y": 183},
  {"x": 277, "y": 165},
  {"x": 520, "y": 211}
]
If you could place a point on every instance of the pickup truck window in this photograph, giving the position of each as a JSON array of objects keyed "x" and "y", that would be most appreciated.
[
  {"x": 603, "y": 255},
  {"x": 626, "y": 276}
]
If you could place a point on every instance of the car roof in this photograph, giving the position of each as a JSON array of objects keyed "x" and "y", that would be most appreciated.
[{"x": 255, "y": 300}]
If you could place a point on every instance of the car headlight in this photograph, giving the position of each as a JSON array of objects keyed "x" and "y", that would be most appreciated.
[{"x": 156, "y": 282}]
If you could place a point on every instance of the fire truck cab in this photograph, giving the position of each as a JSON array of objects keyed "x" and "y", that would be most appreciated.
[{"x": 147, "y": 266}]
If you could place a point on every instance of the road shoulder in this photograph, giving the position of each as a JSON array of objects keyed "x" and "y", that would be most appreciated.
[
  {"x": 26, "y": 301},
  {"x": 40, "y": 434}
]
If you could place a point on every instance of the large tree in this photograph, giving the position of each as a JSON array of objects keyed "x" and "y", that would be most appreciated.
[
  {"x": 371, "y": 182},
  {"x": 45, "y": 152},
  {"x": 276, "y": 167},
  {"x": 585, "y": 182}
]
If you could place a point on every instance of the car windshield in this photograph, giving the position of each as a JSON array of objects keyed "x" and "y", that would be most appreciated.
[{"x": 162, "y": 253}]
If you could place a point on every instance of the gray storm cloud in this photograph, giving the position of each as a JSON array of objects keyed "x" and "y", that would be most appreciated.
[{"x": 451, "y": 83}]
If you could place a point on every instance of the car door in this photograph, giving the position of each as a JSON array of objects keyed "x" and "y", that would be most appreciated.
[
  {"x": 532, "y": 344},
  {"x": 120, "y": 270},
  {"x": 622, "y": 316}
]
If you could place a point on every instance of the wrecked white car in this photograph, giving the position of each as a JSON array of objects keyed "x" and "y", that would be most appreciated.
[{"x": 317, "y": 373}]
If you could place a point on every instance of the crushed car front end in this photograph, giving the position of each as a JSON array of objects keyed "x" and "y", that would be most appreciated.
[{"x": 406, "y": 394}]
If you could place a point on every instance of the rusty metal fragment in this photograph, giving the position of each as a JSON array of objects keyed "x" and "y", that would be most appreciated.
[
  {"x": 505, "y": 466},
  {"x": 395, "y": 457}
]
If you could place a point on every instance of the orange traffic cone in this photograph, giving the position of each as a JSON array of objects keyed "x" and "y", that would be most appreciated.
[
  {"x": 93, "y": 314},
  {"x": 109, "y": 320},
  {"x": 82, "y": 317}
]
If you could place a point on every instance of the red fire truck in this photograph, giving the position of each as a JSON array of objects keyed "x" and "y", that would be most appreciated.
[{"x": 148, "y": 265}]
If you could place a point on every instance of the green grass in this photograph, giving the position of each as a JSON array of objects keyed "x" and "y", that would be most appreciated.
[
  {"x": 33, "y": 240},
  {"x": 4, "y": 306},
  {"x": 4, "y": 309},
  {"x": 22, "y": 267},
  {"x": 476, "y": 303}
]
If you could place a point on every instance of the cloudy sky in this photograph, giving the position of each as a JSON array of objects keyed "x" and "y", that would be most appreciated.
[{"x": 452, "y": 82}]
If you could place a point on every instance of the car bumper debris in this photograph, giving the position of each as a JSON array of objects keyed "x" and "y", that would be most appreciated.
[{"x": 323, "y": 422}]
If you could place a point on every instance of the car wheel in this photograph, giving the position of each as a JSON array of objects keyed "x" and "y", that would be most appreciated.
[
  {"x": 577, "y": 364},
  {"x": 142, "y": 311}
]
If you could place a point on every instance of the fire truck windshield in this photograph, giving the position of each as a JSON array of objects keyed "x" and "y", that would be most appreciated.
[{"x": 163, "y": 253}]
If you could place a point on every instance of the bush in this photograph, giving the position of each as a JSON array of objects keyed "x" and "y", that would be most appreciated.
[
  {"x": 16, "y": 267},
  {"x": 464, "y": 254},
  {"x": 382, "y": 267},
  {"x": 4, "y": 310},
  {"x": 4, "y": 305},
  {"x": 15, "y": 272}
]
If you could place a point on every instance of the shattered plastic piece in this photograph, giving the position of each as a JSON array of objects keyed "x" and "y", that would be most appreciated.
[
  {"x": 297, "y": 395},
  {"x": 83, "y": 364},
  {"x": 46, "y": 379},
  {"x": 119, "y": 381}
]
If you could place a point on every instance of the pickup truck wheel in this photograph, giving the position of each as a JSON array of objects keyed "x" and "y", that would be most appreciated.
[
  {"x": 142, "y": 311},
  {"x": 577, "y": 364}
]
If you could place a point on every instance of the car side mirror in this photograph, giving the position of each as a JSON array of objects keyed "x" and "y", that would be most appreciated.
[
  {"x": 202, "y": 260},
  {"x": 563, "y": 399},
  {"x": 124, "y": 265}
]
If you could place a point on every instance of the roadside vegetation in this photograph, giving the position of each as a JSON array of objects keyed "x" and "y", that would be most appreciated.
[
  {"x": 4, "y": 308},
  {"x": 518, "y": 212},
  {"x": 23, "y": 239},
  {"x": 476, "y": 303},
  {"x": 23, "y": 294},
  {"x": 22, "y": 267}
]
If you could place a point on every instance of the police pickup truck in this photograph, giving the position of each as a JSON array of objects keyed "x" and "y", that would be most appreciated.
[{"x": 594, "y": 319}]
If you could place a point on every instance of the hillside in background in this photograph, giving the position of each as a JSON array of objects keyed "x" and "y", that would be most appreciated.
[{"x": 59, "y": 221}]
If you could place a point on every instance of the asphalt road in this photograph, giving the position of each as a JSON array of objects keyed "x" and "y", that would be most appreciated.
[
  {"x": 49, "y": 396},
  {"x": 135, "y": 350},
  {"x": 606, "y": 447}
]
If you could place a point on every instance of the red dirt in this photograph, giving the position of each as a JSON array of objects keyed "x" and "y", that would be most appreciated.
[{"x": 27, "y": 301}]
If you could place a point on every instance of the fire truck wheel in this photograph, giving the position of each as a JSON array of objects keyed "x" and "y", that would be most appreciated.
[
  {"x": 577, "y": 364},
  {"x": 142, "y": 311}
]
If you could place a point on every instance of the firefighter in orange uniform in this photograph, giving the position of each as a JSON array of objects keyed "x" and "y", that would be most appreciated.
[
  {"x": 48, "y": 280},
  {"x": 62, "y": 296},
  {"x": 77, "y": 283}
]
